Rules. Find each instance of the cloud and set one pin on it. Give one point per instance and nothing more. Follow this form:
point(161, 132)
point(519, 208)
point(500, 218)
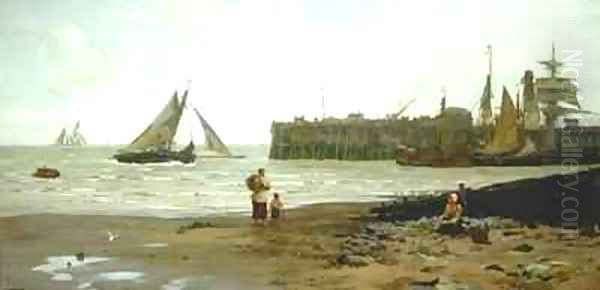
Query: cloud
point(72, 63)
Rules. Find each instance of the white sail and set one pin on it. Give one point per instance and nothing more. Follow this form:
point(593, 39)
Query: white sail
point(161, 131)
point(62, 138)
point(76, 137)
point(211, 139)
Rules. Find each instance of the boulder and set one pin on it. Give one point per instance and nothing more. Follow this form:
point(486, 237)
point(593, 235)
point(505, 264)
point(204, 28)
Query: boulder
point(524, 248)
point(450, 228)
point(538, 271)
point(353, 260)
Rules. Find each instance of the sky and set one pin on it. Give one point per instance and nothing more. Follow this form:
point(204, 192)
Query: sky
point(114, 64)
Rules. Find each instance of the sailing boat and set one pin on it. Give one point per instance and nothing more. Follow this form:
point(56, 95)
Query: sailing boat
point(508, 144)
point(154, 144)
point(73, 139)
point(212, 142)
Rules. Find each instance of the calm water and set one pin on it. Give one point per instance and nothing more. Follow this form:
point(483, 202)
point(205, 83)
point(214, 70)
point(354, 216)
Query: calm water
point(92, 183)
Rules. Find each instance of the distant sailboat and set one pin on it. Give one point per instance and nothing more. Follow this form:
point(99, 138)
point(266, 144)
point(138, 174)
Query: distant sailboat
point(154, 144)
point(73, 139)
point(212, 142)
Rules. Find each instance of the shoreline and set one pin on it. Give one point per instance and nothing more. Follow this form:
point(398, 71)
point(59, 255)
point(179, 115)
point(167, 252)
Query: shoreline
point(228, 252)
point(340, 246)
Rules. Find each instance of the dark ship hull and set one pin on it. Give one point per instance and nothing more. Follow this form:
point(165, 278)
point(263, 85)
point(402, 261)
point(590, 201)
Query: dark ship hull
point(158, 156)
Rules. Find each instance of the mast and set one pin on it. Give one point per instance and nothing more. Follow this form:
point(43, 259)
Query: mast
point(489, 47)
point(323, 103)
point(486, 118)
point(552, 65)
point(443, 102)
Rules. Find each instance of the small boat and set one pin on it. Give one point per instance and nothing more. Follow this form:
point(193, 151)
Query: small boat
point(45, 172)
point(154, 144)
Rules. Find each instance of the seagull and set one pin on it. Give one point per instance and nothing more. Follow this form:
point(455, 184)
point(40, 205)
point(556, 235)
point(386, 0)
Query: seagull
point(112, 237)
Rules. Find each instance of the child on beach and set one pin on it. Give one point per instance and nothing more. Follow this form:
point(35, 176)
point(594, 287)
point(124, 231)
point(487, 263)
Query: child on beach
point(454, 209)
point(277, 207)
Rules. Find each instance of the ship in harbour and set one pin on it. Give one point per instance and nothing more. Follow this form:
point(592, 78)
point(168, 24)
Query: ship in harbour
point(530, 134)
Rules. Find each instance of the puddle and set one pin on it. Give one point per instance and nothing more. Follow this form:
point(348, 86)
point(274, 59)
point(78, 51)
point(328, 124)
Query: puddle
point(56, 264)
point(196, 283)
point(155, 245)
point(120, 276)
point(62, 277)
point(112, 277)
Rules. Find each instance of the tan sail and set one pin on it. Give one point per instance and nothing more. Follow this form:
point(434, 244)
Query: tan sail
point(211, 139)
point(507, 134)
point(161, 131)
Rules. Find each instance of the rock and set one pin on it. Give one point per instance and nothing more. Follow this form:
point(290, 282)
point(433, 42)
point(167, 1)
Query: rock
point(538, 271)
point(353, 260)
point(493, 267)
point(425, 282)
point(543, 259)
point(510, 233)
point(397, 238)
point(362, 247)
point(479, 233)
point(535, 285)
point(525, 248)
point(458, 286)
point(450, 228)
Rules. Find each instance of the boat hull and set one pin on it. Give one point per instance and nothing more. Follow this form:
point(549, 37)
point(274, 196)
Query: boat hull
point(221, 157)
point(46, 173)
point(183, 156)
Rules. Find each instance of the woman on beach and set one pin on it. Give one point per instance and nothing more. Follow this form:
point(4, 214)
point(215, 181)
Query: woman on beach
point(259, 198)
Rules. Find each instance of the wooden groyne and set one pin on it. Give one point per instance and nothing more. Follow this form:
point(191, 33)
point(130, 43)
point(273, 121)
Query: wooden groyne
point(567, 200)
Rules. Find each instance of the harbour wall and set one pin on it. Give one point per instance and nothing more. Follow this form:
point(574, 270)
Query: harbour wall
point(356, 138)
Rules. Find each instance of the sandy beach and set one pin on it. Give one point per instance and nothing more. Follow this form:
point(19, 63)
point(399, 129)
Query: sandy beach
point(297, 253)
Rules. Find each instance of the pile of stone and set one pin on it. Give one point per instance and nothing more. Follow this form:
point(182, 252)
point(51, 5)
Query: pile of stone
point(540, 273)
point(367, 246)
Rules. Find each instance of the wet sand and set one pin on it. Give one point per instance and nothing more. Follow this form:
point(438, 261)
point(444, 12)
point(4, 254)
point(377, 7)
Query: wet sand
point(297, 253)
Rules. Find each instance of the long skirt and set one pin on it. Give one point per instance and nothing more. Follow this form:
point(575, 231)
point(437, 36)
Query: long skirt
point(259, 210)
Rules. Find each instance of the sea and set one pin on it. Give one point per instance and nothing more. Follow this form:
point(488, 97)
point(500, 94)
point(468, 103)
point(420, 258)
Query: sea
point(92, 183)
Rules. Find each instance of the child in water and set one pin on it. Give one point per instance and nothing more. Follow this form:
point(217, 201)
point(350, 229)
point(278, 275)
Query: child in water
point(276, 207)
